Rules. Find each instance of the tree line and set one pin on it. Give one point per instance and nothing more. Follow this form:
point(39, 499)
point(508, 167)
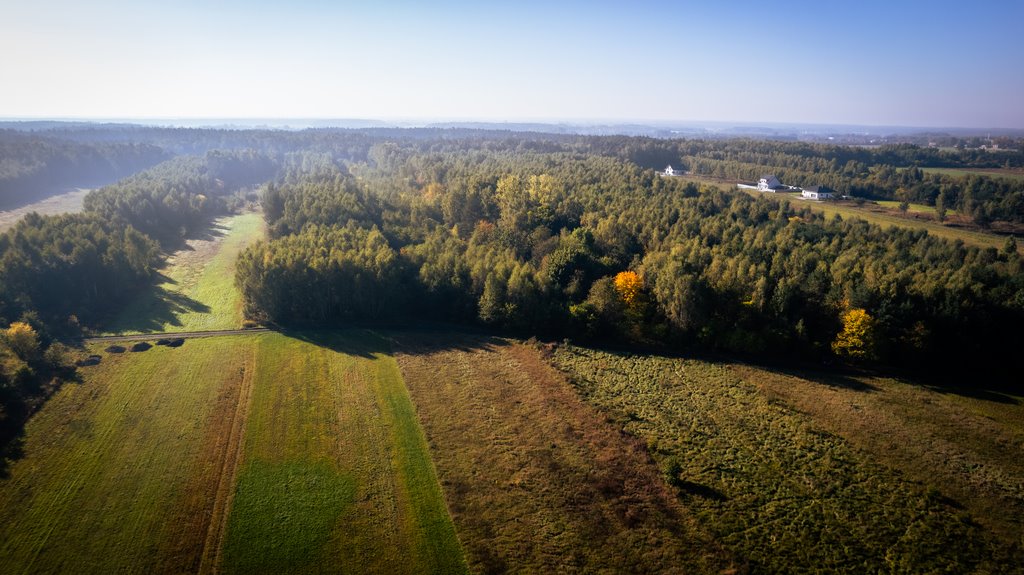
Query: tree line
point(32, 165)
point(586, 245)
point(59, 274)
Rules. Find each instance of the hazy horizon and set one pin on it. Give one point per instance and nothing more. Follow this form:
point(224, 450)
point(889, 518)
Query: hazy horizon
point(911, 64)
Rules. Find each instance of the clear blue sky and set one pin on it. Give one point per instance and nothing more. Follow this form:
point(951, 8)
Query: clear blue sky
point(910, 63)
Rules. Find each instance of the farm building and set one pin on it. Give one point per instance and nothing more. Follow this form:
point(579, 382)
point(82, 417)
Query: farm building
point(670, 171)
point(816, 193)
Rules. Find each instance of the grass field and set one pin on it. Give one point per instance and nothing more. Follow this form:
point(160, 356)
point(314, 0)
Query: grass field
point(120, 471)
point(912, 208)
point(780, 487)
point(335, 475)
point(254, 454)
point(197, 291)
point(967, 446)
point(885, 220)
point(67, 202)
point(537, 481)
point(990, 172)
point(969, 237)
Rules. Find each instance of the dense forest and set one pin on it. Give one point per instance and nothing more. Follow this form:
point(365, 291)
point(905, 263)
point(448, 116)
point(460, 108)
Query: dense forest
point(569, 244)
point(557, 235)
point(32, 166)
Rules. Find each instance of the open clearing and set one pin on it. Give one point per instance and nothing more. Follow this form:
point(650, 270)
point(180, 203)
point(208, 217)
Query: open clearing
point(774, 478)
point(888, 220)
point(63, 203)
point(198, 291)
point(1015, 174)
point(913, 208)
point(258, 453)
point(883, 217)
point(537, 481)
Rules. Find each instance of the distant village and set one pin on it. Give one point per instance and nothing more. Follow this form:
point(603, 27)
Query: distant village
point(770, 183)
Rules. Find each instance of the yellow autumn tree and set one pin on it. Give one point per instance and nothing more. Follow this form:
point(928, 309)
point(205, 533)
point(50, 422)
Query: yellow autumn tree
point(22, 340)
point(627, 285)
point(857, 338)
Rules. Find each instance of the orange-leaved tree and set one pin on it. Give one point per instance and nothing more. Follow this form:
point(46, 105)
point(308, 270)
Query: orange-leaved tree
point(628, 285)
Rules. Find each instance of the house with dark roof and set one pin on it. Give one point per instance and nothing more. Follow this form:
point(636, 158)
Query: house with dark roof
point(816, 193)
point(769, 183)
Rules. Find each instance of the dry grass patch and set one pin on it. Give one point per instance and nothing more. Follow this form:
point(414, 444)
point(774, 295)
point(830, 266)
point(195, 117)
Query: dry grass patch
point(535, 479)
point(967, 448)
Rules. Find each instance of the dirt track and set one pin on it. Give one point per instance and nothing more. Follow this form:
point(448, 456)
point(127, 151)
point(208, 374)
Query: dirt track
point(181, 334)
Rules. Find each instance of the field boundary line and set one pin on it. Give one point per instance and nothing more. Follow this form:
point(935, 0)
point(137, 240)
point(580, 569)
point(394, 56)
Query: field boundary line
point(218, 526)
point(173, 334)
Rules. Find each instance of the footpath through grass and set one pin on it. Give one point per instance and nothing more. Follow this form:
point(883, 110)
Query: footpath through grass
point(119, 471)
point(197, 291)
point(336, 476)
point(776, 488)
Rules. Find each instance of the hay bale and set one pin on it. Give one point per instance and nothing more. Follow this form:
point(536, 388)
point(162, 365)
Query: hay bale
point(141, 346)
point(115, 349)
point(176, 342)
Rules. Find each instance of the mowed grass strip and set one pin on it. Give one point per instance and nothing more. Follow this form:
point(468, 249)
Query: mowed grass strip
point(536, 480)
point(336, 475)
point(120, 470)
point(198, 290)
point(773, 485)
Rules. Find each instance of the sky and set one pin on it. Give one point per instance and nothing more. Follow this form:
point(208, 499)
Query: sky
point(893, 63)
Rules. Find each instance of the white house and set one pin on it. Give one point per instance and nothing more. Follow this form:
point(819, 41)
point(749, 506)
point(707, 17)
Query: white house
point(816, 193)
point(769, 183)
point(670, 171)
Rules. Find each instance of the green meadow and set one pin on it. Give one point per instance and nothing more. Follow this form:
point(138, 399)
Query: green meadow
point(196, 290)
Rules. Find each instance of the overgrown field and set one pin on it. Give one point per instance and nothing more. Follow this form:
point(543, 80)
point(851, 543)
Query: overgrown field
point(777, 487)
point(197, 291)
point(252, 454)
point(537, 481)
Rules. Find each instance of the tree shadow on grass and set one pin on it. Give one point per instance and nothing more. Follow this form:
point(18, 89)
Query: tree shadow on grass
point(369, 341)
point(834, 379)
point(12, 448)
point(982, 394)
point(155, 308)
point(19, 406)
point(213, 231)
